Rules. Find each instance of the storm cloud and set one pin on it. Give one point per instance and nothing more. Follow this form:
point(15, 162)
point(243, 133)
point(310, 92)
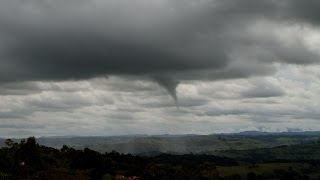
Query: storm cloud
point(210, 39)
point(50, 49)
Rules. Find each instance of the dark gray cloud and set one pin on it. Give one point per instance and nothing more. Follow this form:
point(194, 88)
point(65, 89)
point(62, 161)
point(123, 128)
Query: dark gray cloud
point(305, 10)
point(21, 126)
point(263, 89)
point(10, 115)
point(22, 88)
point(167, 41)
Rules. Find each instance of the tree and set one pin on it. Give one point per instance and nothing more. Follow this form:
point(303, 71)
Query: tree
point(28, 154)
point(251, 176)
point(11, 144)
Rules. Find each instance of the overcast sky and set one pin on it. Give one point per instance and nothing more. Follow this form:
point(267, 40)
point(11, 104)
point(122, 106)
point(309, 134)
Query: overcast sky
point(114, 67)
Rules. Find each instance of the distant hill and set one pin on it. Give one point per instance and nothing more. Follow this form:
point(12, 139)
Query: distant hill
point(259, 133)
point(181, 144)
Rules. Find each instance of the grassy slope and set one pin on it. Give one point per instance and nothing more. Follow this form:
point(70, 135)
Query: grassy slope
point(293, 152)
point(198, 144)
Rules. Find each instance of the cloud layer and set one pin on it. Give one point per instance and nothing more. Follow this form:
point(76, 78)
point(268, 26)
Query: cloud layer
point(119, 105)
point(49, 49)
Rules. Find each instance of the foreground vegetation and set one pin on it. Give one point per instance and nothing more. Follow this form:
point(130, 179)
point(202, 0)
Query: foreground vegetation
point(29, 160)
